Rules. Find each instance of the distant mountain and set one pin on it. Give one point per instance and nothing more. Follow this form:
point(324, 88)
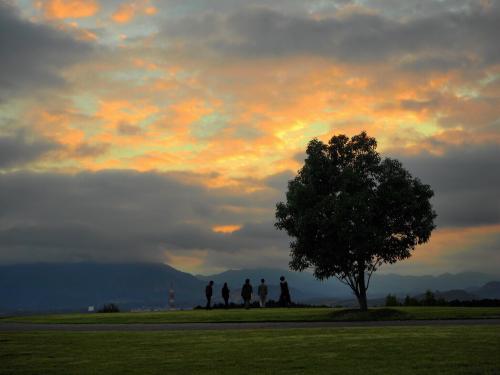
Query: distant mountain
point(489, 290)
point(74, 287)
point(57, 287)
point(450, 295)
point(398, 284)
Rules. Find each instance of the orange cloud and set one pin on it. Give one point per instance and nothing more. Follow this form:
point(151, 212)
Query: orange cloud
point(57, 126)
point(193, 262)
point(127, 11)
point(58, 9)
point(151, 10)
point(226, 228)
point(114, 111)
point(269, 110)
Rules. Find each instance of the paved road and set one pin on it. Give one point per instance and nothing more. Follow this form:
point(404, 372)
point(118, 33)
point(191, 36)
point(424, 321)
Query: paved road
point(28, 327)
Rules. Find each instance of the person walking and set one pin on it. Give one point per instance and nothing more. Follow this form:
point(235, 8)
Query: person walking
point(285, 293)
point(262, 292)
point(246, 293)
point(208, 294)
point(225, 295)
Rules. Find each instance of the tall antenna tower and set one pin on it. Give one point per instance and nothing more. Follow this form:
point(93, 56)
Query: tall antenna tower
point(171, 297)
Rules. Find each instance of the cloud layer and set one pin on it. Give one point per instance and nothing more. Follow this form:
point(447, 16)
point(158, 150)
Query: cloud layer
point(33, 54)
point(125, 215)
point(167, 130)
point(17, 150)
point(131, 216)
point(357, 36)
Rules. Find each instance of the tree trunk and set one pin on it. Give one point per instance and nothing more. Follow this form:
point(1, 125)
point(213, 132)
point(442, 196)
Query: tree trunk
point(361, 295)
point(363, 302)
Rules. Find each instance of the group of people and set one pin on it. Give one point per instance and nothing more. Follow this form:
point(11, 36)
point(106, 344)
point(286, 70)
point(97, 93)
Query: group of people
point(247, 293)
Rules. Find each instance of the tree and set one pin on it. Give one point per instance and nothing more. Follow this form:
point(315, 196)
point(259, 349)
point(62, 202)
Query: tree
point(429, 299)
point(391, 300)
point(409, 301)
point(348, 212)
point(109, 308)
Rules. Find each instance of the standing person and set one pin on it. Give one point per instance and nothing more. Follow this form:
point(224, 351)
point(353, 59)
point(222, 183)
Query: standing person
point(262, 291)
point(285, 293)
point(225, 295)
point(246, 293)
point(208, 294)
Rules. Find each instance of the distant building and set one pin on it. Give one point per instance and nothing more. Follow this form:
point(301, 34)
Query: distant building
point(91, 309)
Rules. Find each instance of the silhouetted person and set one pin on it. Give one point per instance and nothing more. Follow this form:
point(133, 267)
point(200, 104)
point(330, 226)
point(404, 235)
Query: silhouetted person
point(262, 292)
point(285, 292)
point(225, 295)
point(208, 294)
point(246, 293)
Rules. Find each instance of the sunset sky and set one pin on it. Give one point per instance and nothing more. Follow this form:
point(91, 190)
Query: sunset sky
point(167, 130)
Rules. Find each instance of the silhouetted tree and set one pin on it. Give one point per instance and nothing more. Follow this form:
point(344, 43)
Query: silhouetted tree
point(391, 300)
point(429, 299)
point(410, 301)
point(109, 308)
point(348, 212)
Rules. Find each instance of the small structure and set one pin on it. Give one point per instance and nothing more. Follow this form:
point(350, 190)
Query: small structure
point(91, 309)
point(171, 297)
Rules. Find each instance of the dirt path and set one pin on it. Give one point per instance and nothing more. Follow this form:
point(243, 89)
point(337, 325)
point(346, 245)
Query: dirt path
point(27, 327)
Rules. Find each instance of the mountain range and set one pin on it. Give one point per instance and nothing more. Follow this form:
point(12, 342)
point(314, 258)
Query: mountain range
point(75, 286)
point(44, 287)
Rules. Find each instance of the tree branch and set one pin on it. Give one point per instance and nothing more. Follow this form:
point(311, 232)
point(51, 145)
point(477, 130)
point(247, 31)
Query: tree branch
point(354, 283)
point(347, 281)
point(342, 280)
point(373, 268)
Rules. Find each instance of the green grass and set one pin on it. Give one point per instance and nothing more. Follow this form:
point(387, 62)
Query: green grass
point(387, 350)
point(268, 315)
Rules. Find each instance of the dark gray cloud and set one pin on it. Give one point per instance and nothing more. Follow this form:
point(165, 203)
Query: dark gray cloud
point(125, 128)
point(279, 181)
point(420, 8)
point(465, 181)
point(439, 39)
point(17, 150)
point(179, 9)
point(32, 55)
point(91, 150)
point(418, 105)
point(124, 215)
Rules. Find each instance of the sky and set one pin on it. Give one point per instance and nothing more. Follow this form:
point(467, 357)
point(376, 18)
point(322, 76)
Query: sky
point(166, 131)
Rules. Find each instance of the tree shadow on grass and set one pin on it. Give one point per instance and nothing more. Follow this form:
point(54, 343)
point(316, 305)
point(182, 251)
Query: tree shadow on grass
point(373, 314)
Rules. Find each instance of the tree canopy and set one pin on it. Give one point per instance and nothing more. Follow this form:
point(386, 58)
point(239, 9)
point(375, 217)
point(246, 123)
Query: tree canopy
point(349, 211)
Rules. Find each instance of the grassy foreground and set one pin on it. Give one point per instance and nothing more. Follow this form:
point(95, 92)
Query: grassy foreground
point(268, 315)
point(387, 350)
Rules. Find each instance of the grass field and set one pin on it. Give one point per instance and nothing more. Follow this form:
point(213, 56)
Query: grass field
point(387, 350)
point(268, 315)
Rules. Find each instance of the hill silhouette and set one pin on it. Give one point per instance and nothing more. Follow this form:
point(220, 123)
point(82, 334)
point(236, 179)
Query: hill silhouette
point(61, 286)
point(43, 287)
